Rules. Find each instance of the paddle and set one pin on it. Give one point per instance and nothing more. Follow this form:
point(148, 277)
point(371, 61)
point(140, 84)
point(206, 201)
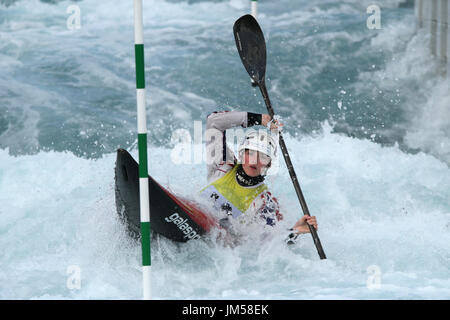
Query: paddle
point(252, 50)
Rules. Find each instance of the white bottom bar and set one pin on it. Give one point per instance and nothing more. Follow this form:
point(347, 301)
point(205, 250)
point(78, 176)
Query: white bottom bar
point(147, 286)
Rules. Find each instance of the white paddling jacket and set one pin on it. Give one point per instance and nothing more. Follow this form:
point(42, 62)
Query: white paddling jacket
point(248, 203)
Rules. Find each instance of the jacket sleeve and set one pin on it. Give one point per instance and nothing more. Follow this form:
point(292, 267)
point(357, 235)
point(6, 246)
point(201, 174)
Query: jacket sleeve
point(266, 208)
point(219, 157)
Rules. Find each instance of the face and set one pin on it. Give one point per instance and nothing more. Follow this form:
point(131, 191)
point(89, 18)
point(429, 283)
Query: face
point(254, 163)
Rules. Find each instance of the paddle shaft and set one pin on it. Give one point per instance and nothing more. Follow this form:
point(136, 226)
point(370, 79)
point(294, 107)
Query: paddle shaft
point(291, 170)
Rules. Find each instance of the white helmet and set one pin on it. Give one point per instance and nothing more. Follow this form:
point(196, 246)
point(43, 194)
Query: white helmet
point(260, 141)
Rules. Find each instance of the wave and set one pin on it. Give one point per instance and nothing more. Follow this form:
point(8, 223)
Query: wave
point(377, 207)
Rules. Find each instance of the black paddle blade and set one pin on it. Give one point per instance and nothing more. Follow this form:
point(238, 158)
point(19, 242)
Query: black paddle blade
point(251, 46)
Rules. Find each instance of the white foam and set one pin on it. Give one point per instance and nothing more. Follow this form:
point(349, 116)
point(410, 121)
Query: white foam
point(375, 206)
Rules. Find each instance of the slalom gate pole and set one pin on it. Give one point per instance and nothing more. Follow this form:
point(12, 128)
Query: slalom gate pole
point(142, 148)
point(254, 4)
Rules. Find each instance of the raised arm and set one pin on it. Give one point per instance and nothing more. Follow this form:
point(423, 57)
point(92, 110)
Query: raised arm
point(229, 119)
point(219, 157)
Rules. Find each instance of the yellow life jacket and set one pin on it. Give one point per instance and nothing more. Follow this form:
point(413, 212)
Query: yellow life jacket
point(227, 195)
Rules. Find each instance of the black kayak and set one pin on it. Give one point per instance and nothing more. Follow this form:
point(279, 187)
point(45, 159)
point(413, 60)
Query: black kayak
point(170, 216)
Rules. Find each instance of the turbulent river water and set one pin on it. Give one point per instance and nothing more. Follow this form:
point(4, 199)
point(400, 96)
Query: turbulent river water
point(366, 123)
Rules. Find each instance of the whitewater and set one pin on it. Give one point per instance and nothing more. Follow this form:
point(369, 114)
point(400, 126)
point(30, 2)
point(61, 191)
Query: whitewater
point(367, 128)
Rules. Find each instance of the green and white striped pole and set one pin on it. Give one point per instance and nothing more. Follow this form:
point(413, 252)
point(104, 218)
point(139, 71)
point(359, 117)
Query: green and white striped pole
point(142, 148)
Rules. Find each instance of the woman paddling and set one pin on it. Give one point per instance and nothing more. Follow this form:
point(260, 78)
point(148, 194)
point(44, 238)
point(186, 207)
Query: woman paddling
point(236, 185)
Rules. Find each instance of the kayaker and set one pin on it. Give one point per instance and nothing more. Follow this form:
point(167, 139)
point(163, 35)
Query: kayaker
point(236, 185)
